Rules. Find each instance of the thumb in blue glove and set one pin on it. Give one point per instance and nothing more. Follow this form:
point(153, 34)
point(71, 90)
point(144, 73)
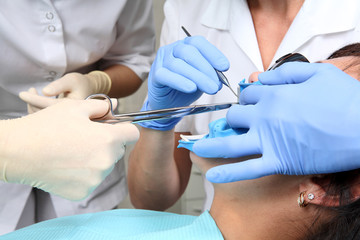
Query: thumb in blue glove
point(308, 125)
point(181, 72)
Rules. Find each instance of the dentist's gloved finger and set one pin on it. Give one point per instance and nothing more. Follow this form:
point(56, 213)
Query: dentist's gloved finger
point(59, 86)
point(114, 103)
point(291, 73)
point(250, 169)
point(129, 132)
point(36, 100)
point(227, 147)
point(30, 108)
point(193, 57)
point(216, 58)
point(241, 116)
point(183, 77)
point(165, 77)
point(252, 94)
point(33, 91)
point(93, 108)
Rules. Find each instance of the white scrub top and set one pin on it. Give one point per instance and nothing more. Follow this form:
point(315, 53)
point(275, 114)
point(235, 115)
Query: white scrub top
point(41, 41)
point(321, 27)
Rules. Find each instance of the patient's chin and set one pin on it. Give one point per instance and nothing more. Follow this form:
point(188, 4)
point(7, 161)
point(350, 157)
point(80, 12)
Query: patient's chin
point(205, 164)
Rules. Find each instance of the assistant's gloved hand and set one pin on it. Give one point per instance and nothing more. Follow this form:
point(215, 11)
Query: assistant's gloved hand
point(71, 85)
point(60, 150)
point(310, 125)
point(181, 72)
point(37, 101)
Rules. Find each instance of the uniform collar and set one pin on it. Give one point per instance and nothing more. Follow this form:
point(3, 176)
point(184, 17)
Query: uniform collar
point(217, 14)
point(330, 16)
point(325, 15)
point(319, 17)
point(315, 18)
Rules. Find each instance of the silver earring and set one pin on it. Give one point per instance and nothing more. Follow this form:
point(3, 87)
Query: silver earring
point(311, 196)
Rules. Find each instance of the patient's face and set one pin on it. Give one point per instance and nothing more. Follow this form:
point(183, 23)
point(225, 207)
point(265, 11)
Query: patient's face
point(250, 190)
point(350, 65)
point(204, 164)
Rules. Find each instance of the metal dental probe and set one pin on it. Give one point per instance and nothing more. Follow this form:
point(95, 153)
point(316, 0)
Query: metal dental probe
point(221, 75)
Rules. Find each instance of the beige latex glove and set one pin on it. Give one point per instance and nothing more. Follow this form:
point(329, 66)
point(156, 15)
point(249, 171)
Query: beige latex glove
point(60, 150)
point(71, 85)
point(37, 102)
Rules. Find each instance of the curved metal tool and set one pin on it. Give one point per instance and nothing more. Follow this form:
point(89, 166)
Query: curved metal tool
point(144, 116)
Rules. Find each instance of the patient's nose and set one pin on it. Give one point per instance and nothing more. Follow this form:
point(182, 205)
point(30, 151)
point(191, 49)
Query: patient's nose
point(254, 77)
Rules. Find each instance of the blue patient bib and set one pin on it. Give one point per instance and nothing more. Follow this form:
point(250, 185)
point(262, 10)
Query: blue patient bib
point(118, 224)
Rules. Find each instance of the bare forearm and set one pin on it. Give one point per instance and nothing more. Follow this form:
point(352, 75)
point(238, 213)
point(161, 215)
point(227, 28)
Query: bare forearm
point(124, 81)
point(153, 176)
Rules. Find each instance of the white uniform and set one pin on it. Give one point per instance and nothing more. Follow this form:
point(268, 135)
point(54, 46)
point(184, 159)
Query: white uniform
point(41, 41)
point(321, 27)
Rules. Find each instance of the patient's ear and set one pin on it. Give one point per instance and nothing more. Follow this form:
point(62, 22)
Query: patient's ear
point(317, 191)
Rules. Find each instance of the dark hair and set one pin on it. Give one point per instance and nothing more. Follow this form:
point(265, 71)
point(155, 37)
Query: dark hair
point(345, 221)
point(351, 50)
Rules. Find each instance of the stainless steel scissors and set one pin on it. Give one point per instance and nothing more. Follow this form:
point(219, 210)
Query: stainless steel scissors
point(144, 116)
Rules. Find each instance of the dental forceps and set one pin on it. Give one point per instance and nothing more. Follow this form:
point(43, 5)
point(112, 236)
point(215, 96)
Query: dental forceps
point(145, 116)
point(220, 74)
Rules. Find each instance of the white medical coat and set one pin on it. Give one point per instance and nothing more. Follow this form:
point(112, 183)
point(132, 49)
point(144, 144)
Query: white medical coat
point(321, 27)
point(41, 41)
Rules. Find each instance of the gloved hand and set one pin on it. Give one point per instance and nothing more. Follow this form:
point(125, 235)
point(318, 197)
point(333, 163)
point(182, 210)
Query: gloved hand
point(71, 85)
point(181, 72)
point(37, 102)
point(310, 125)
point(60, 150)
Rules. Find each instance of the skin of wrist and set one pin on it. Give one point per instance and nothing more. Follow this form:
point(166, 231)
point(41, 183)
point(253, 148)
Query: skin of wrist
point(160, 140)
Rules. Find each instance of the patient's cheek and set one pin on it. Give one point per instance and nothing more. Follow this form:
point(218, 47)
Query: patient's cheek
point(254, 77)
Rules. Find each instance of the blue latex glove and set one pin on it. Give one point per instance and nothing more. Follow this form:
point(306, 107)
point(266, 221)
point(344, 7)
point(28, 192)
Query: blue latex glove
point(310, 125)
point(181, 72)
